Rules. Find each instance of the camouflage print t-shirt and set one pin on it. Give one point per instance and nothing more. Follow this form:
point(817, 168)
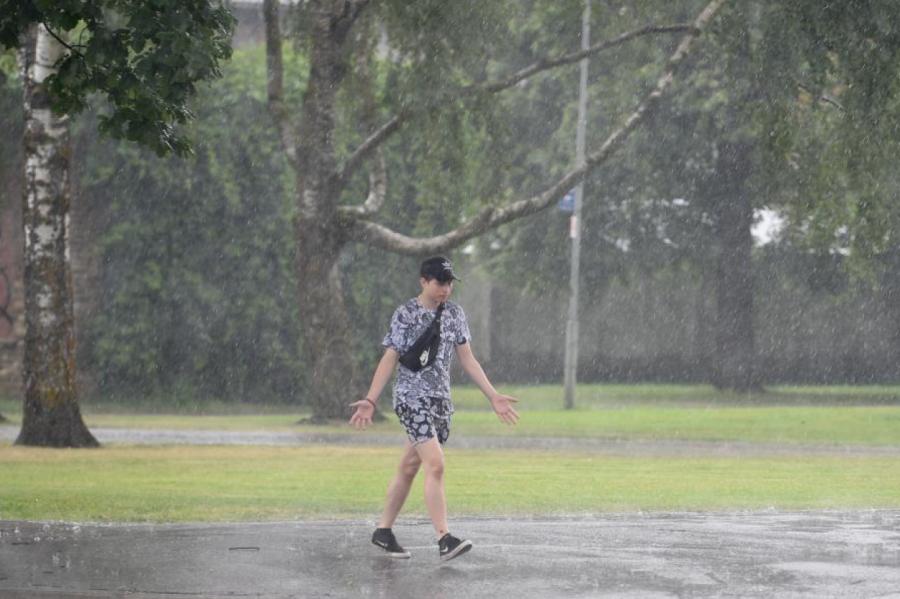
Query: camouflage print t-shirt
point(409, 321)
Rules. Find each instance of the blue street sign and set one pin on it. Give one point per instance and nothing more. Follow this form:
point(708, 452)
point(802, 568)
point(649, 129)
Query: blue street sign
point(567, 203)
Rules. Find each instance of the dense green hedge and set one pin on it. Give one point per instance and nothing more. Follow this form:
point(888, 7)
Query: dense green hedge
point(197, 289)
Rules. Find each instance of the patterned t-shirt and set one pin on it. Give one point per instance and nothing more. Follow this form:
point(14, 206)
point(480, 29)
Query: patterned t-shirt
point(409, 321)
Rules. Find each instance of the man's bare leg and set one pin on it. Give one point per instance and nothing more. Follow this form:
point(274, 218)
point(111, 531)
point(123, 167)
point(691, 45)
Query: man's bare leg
point(431, 456)
point(399, 488)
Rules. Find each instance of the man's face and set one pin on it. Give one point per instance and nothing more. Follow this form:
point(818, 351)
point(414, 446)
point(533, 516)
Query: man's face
point(436, 290)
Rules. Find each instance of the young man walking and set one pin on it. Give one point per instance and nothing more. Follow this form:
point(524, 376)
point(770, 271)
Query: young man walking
point(422, 399)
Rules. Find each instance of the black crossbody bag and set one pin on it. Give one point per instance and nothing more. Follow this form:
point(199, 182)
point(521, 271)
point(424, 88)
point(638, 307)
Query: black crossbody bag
point(424, 351)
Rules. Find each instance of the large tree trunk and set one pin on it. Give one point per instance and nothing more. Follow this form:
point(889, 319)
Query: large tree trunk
point(326, 324)
point(890, 292)
point(51, 414)
point(319, 236)
point(735, 355)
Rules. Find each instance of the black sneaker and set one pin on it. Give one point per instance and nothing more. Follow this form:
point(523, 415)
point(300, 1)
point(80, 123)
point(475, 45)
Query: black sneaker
point(384, 538)
point(450, 547)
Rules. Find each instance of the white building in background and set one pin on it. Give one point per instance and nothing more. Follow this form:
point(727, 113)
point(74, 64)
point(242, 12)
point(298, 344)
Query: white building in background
point(767, 226)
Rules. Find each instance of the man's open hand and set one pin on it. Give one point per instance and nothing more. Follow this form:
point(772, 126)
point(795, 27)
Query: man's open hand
point(503, 407)
point(362, 416)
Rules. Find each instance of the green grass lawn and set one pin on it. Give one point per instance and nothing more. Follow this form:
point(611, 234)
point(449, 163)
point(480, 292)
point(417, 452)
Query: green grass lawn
point(829, 415)
point(620, 396)
point(828, 425)
point(182, 483)
point(185, 484)
point(865, 425)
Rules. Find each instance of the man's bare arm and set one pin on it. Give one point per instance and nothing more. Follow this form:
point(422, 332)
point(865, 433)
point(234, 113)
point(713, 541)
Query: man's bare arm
point(383, 373)
point(365, 408)
point(502, 404)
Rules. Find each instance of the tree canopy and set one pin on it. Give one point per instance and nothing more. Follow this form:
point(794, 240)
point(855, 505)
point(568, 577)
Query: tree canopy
point(144, 58)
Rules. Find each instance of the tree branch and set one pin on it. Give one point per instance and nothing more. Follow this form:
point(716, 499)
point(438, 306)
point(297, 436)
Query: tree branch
point(394, 124)
point(822, 97)
point(550, 63)
point(356, 8)
point(275, 81)
point(369, 145)
point(380, 236)
point(63, 42)
point(350, 11)
point(377, 190)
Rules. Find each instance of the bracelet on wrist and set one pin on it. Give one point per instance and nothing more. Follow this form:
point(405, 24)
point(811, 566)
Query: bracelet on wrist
point(370, 401)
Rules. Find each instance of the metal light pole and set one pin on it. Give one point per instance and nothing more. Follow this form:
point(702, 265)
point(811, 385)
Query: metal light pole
point(571, 356)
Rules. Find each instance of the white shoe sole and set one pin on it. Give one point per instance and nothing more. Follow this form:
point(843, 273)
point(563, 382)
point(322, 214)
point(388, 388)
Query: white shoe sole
point(404, 555)
point(462, 548)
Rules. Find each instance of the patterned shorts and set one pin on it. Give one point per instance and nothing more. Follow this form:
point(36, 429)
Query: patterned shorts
point(425, 419)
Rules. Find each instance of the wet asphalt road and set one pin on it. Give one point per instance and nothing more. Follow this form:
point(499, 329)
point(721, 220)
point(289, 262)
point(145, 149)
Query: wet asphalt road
point(747, 554)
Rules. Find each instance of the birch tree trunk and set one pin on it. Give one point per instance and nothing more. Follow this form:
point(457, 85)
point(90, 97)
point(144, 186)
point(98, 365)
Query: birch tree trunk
point(51, 415)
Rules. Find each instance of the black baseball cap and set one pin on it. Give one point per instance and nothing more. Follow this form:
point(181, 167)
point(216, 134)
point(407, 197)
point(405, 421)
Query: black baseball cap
point(438, 267)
